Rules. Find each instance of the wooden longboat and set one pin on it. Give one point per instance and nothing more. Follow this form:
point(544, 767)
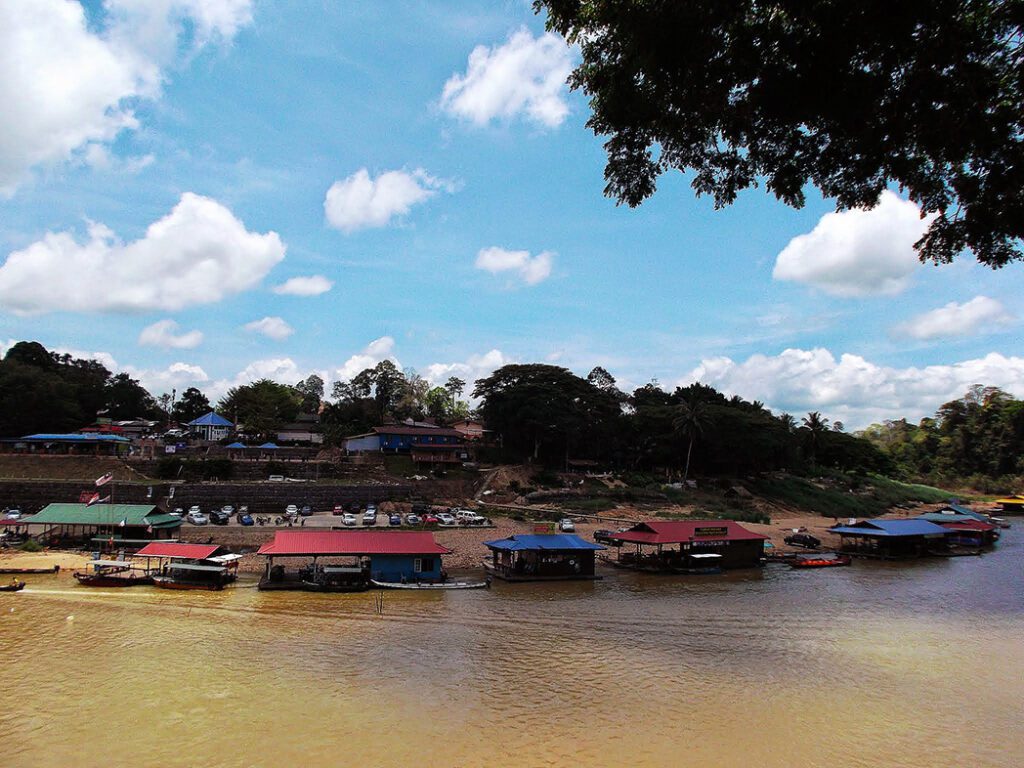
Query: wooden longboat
point(19, 571)
point(820, 561)
point(430, 585)
point(15, 587)
point(112, 573)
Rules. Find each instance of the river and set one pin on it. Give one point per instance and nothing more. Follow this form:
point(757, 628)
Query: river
point(877, 665)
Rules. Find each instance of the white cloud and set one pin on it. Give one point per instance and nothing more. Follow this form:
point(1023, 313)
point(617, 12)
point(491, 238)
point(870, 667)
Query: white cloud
point(375, 352)
point(530, 269)
point(179, 376)
point(272, 327)
point(475, 367)
point(360, 202)
point(104, 358)
point(162, 334)
point(313, 285)
point(67, 88)
point(978, 316)
point(855, 252)
point(283, 370)
point(525, 76)
point(852, 389)
point(197, 254)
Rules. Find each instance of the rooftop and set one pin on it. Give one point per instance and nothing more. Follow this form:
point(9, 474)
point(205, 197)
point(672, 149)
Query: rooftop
point(890, 528)
point(348, 543)
point(103, 514)
point(212, 419)
point(680, 531)
point(542, 541)
point(178, 550)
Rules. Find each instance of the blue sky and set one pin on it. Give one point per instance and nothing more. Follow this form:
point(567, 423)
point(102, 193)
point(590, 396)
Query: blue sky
point(168, 164)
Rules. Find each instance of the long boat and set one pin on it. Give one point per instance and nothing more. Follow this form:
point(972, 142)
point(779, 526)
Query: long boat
point(112, 573)
point(430, 585)
point(17, 586)
point(820, 561)
point(10, 571)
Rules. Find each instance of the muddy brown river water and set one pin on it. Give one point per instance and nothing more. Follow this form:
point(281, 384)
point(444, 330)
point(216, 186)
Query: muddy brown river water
point(881, 665)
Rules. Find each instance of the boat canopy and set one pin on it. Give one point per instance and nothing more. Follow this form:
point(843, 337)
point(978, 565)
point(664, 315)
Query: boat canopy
point(706, 556)
point(225, 559)
point(196, 567)
point(121, 563)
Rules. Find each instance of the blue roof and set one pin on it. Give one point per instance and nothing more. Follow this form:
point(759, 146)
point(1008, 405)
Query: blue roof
point(269, 445)
point(962, 511)
point(236, 445)
point(891, 528)
point(77, 437)
point(549, 541)
point(210, 420)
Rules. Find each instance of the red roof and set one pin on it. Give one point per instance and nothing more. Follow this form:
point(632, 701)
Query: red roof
point(173, 549)
point(353, 543)
point(689, 531)
point(431, 431)
point(969, 525)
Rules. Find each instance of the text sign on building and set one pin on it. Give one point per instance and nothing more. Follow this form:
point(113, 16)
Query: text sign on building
point(544, 528)
point(717, 531)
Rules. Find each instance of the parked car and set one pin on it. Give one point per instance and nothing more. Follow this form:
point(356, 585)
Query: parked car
point(464, 514)
point(220, 517)
point(194, 508)
point(291, 510)
point(354, 507)
point(245, 519)
point(419, 508)
point(412, 519)
point(473, 519)
point(228, 510)
point(349, 519)
point(371, 507)
point(430, 520)
point(369, 518)
point(603, 536)
point(803, 540)
point(177, 512)
point(197, 518)
point(338, 509)
point(446, 518)
point(12, 514)
point(306, 511)
point(565, 525)
point(394, 519)
point(276, 479)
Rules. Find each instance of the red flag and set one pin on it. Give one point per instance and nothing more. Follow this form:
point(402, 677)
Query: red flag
point(90, 498)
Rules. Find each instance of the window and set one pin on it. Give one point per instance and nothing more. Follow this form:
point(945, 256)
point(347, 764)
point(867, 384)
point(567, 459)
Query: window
point(423, 564)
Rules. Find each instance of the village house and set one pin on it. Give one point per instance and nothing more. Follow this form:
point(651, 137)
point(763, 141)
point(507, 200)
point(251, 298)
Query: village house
point(211, 426)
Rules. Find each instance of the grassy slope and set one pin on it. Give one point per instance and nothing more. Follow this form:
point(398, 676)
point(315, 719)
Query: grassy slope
point(842, 496)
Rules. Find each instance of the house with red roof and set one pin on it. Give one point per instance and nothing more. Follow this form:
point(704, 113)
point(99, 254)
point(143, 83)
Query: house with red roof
point(688, 546)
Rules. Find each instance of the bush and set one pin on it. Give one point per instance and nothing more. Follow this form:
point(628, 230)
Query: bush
point(546, 479)
point(31, 546)
point(168, 468)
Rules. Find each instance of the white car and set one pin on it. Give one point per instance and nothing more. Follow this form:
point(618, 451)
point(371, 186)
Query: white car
point(291, 510)
point(197, 518)
point(12, 514)
point(465, 514)
point(565, 525)
point(446, 518)
point(348, 519)
point(177, 512)
point(370, 517)
point(228, 510)
point(194, 509)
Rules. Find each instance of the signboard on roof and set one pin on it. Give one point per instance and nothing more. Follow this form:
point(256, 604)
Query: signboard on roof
point(717, 531)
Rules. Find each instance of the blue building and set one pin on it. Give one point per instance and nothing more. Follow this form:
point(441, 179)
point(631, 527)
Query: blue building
point(542, 557)
point(212, 426)
point(891, 539)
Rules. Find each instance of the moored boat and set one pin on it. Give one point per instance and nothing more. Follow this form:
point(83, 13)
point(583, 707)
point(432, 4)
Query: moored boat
point(820, 561)
point(15, 586)
point(112, 573)
point(429, 585)
point(18, 571)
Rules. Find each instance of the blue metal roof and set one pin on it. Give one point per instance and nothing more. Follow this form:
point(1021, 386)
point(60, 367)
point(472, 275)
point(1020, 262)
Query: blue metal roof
point(236, 445)
point(962, 511)
point(891, 528)
point(549, 541)
point(80, 438)
point(269, 445)
point(212, 419)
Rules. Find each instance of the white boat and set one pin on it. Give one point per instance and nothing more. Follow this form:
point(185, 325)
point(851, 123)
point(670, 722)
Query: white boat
point(430, 585)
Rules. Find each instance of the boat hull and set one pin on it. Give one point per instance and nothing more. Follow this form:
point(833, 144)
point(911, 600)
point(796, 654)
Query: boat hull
point(162, 582)
point(17, 587)
point(17, 571)
point(91, 580)
point(426, 585)
point(822, 562)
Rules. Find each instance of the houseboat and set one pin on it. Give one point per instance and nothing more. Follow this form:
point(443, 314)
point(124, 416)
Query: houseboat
point(542, 557)
point(112, 573)
point(684, 546)
point(892, 539)
point(189, 566)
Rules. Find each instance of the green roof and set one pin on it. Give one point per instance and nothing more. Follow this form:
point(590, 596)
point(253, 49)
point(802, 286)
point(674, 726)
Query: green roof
point(100, 514)
point(163, 521)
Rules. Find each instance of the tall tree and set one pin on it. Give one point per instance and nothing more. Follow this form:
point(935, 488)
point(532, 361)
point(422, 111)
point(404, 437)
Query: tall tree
point(454, 387)
point(692, 418)
point(261, 408)
point(781, 92)
point(191, 405)
point(312, 391)
point(815, 426)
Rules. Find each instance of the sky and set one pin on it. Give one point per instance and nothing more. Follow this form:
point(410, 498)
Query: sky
point(209, 192)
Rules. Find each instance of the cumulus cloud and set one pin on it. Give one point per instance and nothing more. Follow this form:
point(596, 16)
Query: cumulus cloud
point(197, 254)
point(179, 376)
point(272, 327)
point(374, 352)
point(361, 202)
point(313, 285)
point(855, 252)
point(524, 76)
point(162, 334)
point(103, 358)
point(976, 317)
point(530, 269)
point(66, 87)
point(475, 367)
point(283, 370)
point(853, 389)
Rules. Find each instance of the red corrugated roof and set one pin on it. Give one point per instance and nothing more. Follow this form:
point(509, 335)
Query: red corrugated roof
point(679, 531)
point(432, 431)
point(353, 543)
point(969, 525)
point(173, 549)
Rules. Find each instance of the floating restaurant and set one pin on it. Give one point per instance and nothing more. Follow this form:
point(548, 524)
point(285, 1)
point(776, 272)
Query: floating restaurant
point(542, 557)
point(104, 526)
point(189, 566)
point(965, 531)
point(891, 539)
point(688, 546)
point(354, 559)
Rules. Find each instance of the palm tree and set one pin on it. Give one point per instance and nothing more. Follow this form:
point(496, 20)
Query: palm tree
point(816, 425)
point(692, 417)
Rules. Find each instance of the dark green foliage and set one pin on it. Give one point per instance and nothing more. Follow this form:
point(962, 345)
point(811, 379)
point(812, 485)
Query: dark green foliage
point(831, 494)
point(190, 406)
point(30, 546)
point(545, 479)
point(261, 408)
point(126, 399)
point(168, 468)
point(176, 468)
point(977, 437)
point(851, 98)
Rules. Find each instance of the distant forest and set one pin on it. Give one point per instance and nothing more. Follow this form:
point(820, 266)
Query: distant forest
point(550, 416)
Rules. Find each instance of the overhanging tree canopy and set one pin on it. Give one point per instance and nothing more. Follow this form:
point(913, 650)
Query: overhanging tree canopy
point(849, 97)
